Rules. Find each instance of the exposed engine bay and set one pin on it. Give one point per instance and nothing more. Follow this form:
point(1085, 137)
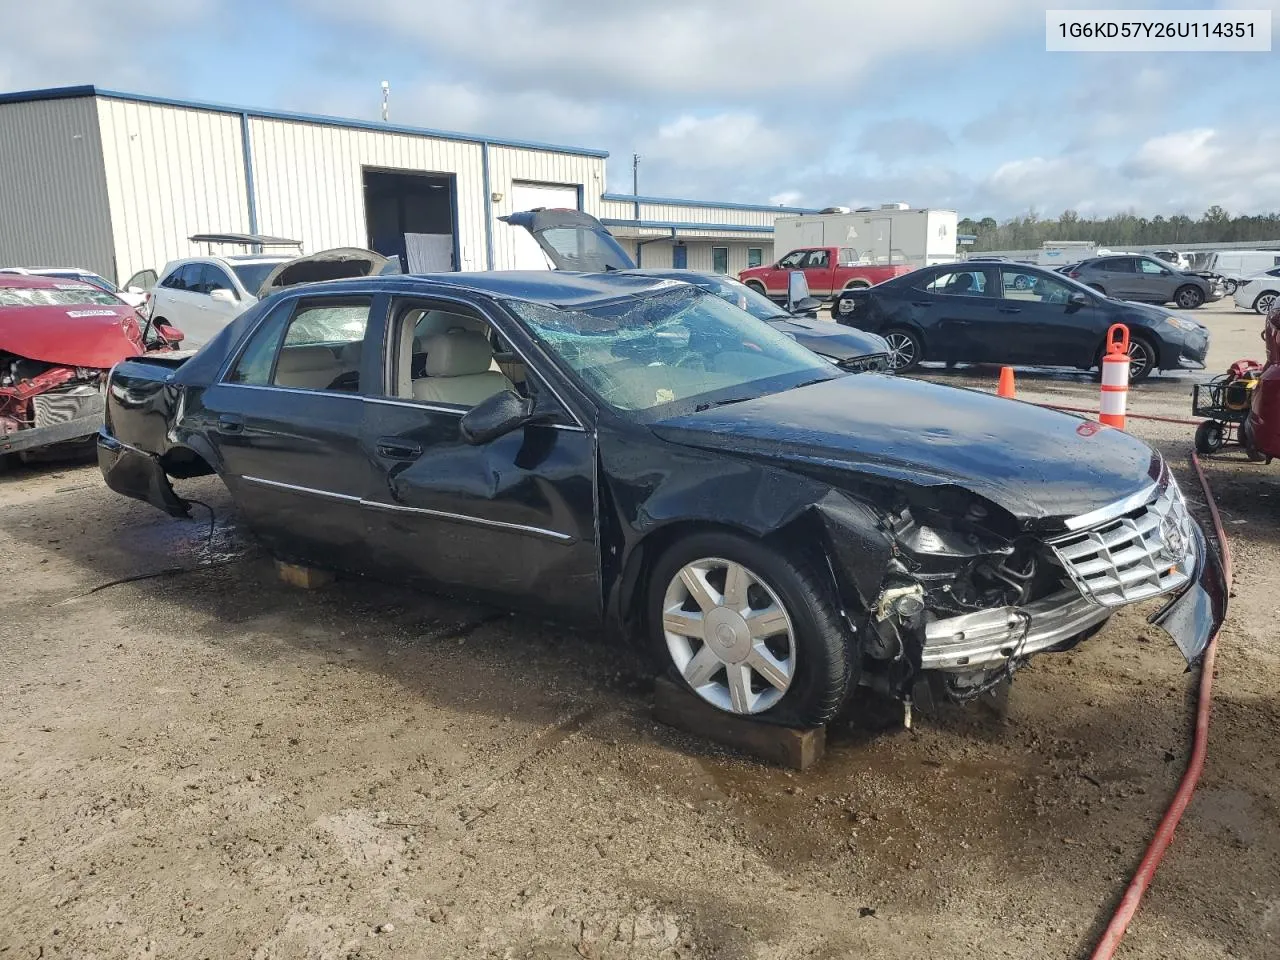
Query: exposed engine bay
point(34, 394)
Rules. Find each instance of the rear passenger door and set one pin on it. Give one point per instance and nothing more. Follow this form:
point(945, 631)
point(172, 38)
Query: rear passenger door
point(959, 310)
point(1117, 276)
point(286, 420)
point(511, 520)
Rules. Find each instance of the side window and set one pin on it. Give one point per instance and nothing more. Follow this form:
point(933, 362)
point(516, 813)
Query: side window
point(818, 258)
point(1037, 289)
point(848, 255)
point(964, 283)
point(1117, 265)
point(175, 280)
point(215, 278)
point(755, 257)
point(793, 258)
point(193, 278)
point(1151, 267)
point(259, 355)
point(442, 355)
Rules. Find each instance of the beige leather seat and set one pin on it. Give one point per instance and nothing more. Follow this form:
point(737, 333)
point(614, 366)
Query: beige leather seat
point(458, 370)
point(312, 368)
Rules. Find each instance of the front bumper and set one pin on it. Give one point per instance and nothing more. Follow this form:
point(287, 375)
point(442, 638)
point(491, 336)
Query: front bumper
point(32, 437)
point(138, 474)
point(989, 639)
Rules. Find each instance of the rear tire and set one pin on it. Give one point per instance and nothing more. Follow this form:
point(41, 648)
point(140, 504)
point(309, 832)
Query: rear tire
point(757, 286)
point(1188, 296)
point(1210, 437)
point(1265, 301)
point(1229, 287)
point(1098, 287)
point(905, 349)
point(806, 661)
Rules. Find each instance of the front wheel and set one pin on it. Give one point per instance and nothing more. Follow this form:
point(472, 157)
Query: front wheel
point(905, 349)
point(750, 630)
point(1188, 297)
point(1142, 359)
point(1210, 437)
point(1230, 287)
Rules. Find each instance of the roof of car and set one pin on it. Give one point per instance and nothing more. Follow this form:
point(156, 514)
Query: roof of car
point(560, 288)
point(38, 281)
point(230, 261)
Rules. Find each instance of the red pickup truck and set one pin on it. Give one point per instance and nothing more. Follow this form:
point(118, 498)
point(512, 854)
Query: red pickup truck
point(829, 270)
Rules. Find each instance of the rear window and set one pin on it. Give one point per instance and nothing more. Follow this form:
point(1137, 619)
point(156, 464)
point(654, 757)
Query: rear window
point(63, 294)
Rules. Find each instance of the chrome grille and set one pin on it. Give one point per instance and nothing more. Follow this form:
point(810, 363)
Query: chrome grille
point(1147, 551)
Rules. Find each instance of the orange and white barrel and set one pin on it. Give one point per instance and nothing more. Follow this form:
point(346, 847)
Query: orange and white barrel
point(1115, 377)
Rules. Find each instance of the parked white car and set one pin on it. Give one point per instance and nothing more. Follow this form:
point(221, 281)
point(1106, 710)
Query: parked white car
point(201, 295)
point(1259, 292)
point(132, 293)
point(1236, 267)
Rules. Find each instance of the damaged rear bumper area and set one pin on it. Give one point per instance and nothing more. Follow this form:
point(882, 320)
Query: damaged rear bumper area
point(138, 474)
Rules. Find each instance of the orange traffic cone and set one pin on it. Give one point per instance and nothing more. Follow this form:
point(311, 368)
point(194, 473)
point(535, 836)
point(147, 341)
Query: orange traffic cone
point(1006, 388)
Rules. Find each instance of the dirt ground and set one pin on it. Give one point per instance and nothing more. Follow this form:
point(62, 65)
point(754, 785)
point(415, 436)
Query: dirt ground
point(205, 762)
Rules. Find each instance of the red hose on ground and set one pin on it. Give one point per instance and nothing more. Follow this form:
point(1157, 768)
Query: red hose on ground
point(1115, 931)
point(1132, 416)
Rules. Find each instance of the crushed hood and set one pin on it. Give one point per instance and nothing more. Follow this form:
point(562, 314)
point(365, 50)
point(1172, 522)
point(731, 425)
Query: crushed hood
point(573, 240)
point(1040, 465)
point(340, 263)
point(72, 335)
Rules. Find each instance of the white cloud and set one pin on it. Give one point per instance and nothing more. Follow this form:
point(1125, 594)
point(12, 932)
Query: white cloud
point(787, 198)
point(722, 141)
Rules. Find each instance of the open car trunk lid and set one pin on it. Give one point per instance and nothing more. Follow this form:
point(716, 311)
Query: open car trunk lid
point(340, 263)
point(573, 240)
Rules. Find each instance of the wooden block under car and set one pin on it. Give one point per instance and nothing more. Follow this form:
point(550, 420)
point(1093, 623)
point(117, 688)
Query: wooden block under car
point(678, 707)
point(308, 578)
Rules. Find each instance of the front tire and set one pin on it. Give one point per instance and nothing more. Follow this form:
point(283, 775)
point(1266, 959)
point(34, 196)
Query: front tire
point(757, 286)
point(1188, 297)
point(1230, 287)
point(750, 630)
point(905, 349)
point(1142, 359)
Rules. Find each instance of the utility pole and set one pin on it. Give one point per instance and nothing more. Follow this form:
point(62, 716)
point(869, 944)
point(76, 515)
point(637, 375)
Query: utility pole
point(386, 94)
point(635, 174)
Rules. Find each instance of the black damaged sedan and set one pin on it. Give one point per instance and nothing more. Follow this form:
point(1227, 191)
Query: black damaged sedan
point(1012, 313)
point(615, 449)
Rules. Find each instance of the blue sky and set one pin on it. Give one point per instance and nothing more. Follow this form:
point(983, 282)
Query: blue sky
point(934, 102)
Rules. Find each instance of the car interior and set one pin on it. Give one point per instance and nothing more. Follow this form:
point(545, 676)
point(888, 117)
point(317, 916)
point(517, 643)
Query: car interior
point(452, 358)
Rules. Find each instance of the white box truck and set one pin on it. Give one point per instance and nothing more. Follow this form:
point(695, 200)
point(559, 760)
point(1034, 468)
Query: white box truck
point(892, 234)
point(1059, 253)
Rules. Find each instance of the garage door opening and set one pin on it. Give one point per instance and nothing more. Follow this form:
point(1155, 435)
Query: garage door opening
point(527, 196)
point(413, 216)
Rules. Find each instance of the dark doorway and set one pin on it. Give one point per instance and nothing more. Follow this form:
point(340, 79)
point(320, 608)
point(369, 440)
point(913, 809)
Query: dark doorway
point(413, 216)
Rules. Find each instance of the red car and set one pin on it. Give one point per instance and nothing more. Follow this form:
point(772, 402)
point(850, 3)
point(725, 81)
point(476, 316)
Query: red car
point(828, 270)
point(58, 340)
point(1262, 429)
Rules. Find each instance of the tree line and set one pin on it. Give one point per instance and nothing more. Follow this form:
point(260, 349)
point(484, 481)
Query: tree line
point(1029, 231)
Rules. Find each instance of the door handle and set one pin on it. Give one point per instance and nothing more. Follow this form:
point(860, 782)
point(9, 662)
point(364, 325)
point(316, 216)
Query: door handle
point(1010, 309)
point(922, 303)
point(389, 448)
point(230, 423)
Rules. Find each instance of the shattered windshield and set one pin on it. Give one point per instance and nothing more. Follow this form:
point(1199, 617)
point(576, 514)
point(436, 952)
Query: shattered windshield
point(673, 351)
point(68, 294)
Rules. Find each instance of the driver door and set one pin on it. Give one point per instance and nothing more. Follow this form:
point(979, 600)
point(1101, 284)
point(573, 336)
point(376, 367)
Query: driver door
point(963, 312)
point(512, 520)
point(1044, 327)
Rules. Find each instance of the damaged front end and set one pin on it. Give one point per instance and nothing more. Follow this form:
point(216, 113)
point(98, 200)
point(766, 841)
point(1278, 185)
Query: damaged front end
point(43, 404)
point(969, 595)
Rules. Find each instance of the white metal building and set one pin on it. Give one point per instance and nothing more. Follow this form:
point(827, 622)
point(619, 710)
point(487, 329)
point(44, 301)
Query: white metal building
point(117, 182)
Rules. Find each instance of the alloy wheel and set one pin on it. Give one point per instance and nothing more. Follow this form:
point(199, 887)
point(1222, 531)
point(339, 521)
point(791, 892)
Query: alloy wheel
point(1265, 302)
point(1189, 298)
point(902, 350)
point(729, 635)
point(1139, 359)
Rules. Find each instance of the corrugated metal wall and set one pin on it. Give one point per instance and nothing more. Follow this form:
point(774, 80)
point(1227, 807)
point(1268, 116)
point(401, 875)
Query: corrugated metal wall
point(508, 164)
point(700, 257)
point(53, 196)
point(171, 172)
point(310, 181)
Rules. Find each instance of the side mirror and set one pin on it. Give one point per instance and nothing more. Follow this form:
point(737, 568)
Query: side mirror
point(222, 295)
point(170, 334)
point(1078, 299)
point(808, 307)
point(495, 416)
point(797, 290)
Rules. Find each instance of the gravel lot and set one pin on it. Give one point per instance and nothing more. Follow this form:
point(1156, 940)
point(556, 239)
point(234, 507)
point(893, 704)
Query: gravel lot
point(208, 763)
